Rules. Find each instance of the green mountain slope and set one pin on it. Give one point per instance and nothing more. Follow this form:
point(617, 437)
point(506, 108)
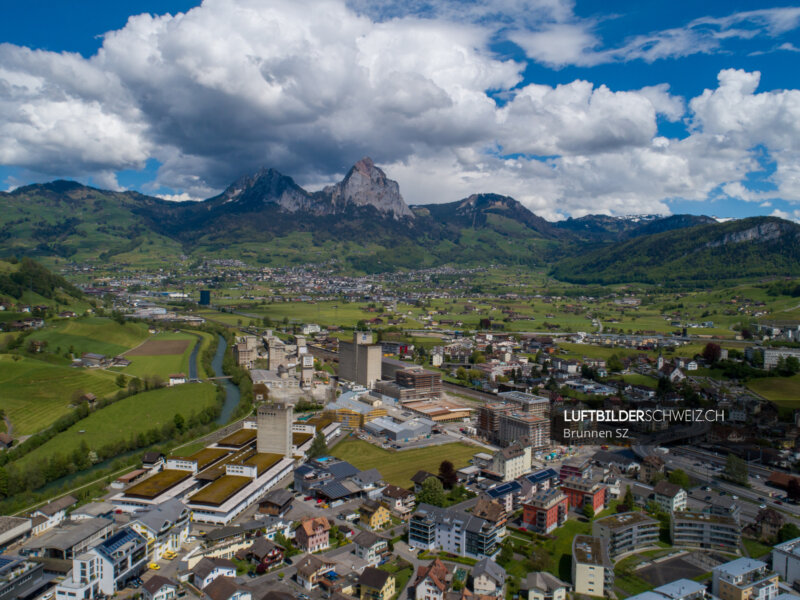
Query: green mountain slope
point(748, 248)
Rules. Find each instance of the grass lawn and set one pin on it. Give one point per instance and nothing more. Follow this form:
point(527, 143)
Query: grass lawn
point(163, 364)
point(92, 334)
point(755, 548)
point(783, 391)
point(126, 418)
point(637, 379)
point(35, 394)
point(398, 467)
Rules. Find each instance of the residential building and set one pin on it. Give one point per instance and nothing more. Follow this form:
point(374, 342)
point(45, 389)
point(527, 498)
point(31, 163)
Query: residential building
point(546, 511)
point(360, 360)
point(516, 426)
point(513, 461)
point(592, 569)
point(704, 530)
point(21, 578)
point(488, 578)
point(311, 569)
point(575, 467)
point(263, 552)
point(51, 514)
point(626, 532)
point(411, 384)
point(669, 496)
point(432, 581)
point(724, 506)
point(453, 531)
point(313, 534)
point(105, 568)
point(276, 503)
point(208, 569)
point(581, 491)
point(226, 588)
point(375, 584)
point(159, 588)
point(164, 526)
point(768, 523)
point(370, 547)
point(541, 585)
point(680, 589)
point(538, 406)
point(374, 515)
point(744, 579)
point(419, 478)
point(399, 501)
point(651, 465)
point(786, 560)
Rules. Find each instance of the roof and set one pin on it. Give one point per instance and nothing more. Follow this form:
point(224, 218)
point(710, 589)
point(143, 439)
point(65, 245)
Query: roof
point(262, 547)
point(437, 572)
point(542, 475)
point(488, 509)
point(740, 566)
point(367, 539)
point(591, 550)
point(222, 588)
point(665, 488)
point(420, 477)
point(151, 457)
point(369, 476)
point(374, 578)
point(57, 505)
point(9, 523)
point(338, 489)
point(310, 564)
point(341, 470)
point(69, 535)
point(309, 525)
point(504, 489)
point(206, 565)
point(393, 491)
point(162, 515)
point(627, 519)
point(543, 581)
point(278, 497)
point(491, 569)
point(156, 582)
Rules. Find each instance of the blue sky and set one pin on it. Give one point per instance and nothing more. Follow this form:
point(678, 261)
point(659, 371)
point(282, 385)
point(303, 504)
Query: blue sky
point(571, 107)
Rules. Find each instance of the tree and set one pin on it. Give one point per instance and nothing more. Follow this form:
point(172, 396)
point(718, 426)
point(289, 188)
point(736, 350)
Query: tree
point(793, 489)
point(432, 492)
point(627, 499)
point(736, 469)
point(447, 474)
point(461, 373)
point(318, 447)
point(180, 423)
point(614, 363)
point(477, 357)
point(588, 511)
point(788, 532)
point(712, 353)
point(679, 477)
point(121, 381)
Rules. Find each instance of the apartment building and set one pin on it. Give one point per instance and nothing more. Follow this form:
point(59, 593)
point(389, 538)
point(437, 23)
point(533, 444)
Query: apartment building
point(454, 531)
point(744, 579)
point(626, 532)
point(669, 496)
point(705, 530)
point(581, 492)
point(592, 569)
point(545, 511)
point(786, 560)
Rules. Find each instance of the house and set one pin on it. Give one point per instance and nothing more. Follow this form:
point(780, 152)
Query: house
point(226, 588)
point(310, 569)
point(768, 523)
point(313, 534)
point(159, 588)
point(263, 552)
point(153, 460)
point(493, 512)
point(51, 514)
point(177, 379)
point(374, 514)
point(419, 478)
point(543, 586)
point(669, 496)
point(370, 547)
point(165, 526)
point(276, 503)
point(375, 584)
point(399, 501)
point(208, 569)
point(650, 466)
point(488, 578)
point(432, 582)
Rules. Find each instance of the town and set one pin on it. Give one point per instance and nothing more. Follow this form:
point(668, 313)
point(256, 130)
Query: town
point(382, 437)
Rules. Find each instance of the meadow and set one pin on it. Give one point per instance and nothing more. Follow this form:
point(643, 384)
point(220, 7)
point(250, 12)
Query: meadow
point(162, 365)
point(34, 394)
point(128, 417)
point(398, 467)
point(783, 391)
point(93, 334)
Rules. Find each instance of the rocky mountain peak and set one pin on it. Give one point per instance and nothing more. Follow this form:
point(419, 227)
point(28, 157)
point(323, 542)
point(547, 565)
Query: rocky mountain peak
point(367, 185)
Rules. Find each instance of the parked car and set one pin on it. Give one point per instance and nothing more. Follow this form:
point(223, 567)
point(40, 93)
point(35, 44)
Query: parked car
point(154, 566)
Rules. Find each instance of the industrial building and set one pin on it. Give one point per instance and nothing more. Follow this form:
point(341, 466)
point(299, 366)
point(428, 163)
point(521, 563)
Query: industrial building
point(399, 431)
point(360, 360)
point(354, 409)
point(414, 383)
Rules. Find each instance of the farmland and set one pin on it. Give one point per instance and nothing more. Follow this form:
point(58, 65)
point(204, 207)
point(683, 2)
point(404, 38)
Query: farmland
point(128, 417)
point(93, 334)
point(398, 467)
point(161, 355)
point(34, 394)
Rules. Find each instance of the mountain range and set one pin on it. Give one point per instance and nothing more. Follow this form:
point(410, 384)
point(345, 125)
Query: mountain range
point(363, 224)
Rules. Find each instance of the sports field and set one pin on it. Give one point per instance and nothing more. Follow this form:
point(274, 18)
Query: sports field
point(398, 467)
point(127, 418)
point(35, 394)
point(92, 334)
point(162, 355)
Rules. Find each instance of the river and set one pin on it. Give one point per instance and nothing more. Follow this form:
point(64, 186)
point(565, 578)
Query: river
point(231, 391)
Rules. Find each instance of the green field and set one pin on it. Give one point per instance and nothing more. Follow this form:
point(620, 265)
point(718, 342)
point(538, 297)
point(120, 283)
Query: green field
point(35, 394)
point(128, 417)
point(93, 334)
point(162, 365)
point(398, 467)
point(783, 391)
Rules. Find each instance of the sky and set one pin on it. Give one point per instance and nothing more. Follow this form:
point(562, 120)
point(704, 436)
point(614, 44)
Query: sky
point(571, 107)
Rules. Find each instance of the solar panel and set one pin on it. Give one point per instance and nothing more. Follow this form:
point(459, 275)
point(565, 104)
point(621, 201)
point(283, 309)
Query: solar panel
point(5, 561)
